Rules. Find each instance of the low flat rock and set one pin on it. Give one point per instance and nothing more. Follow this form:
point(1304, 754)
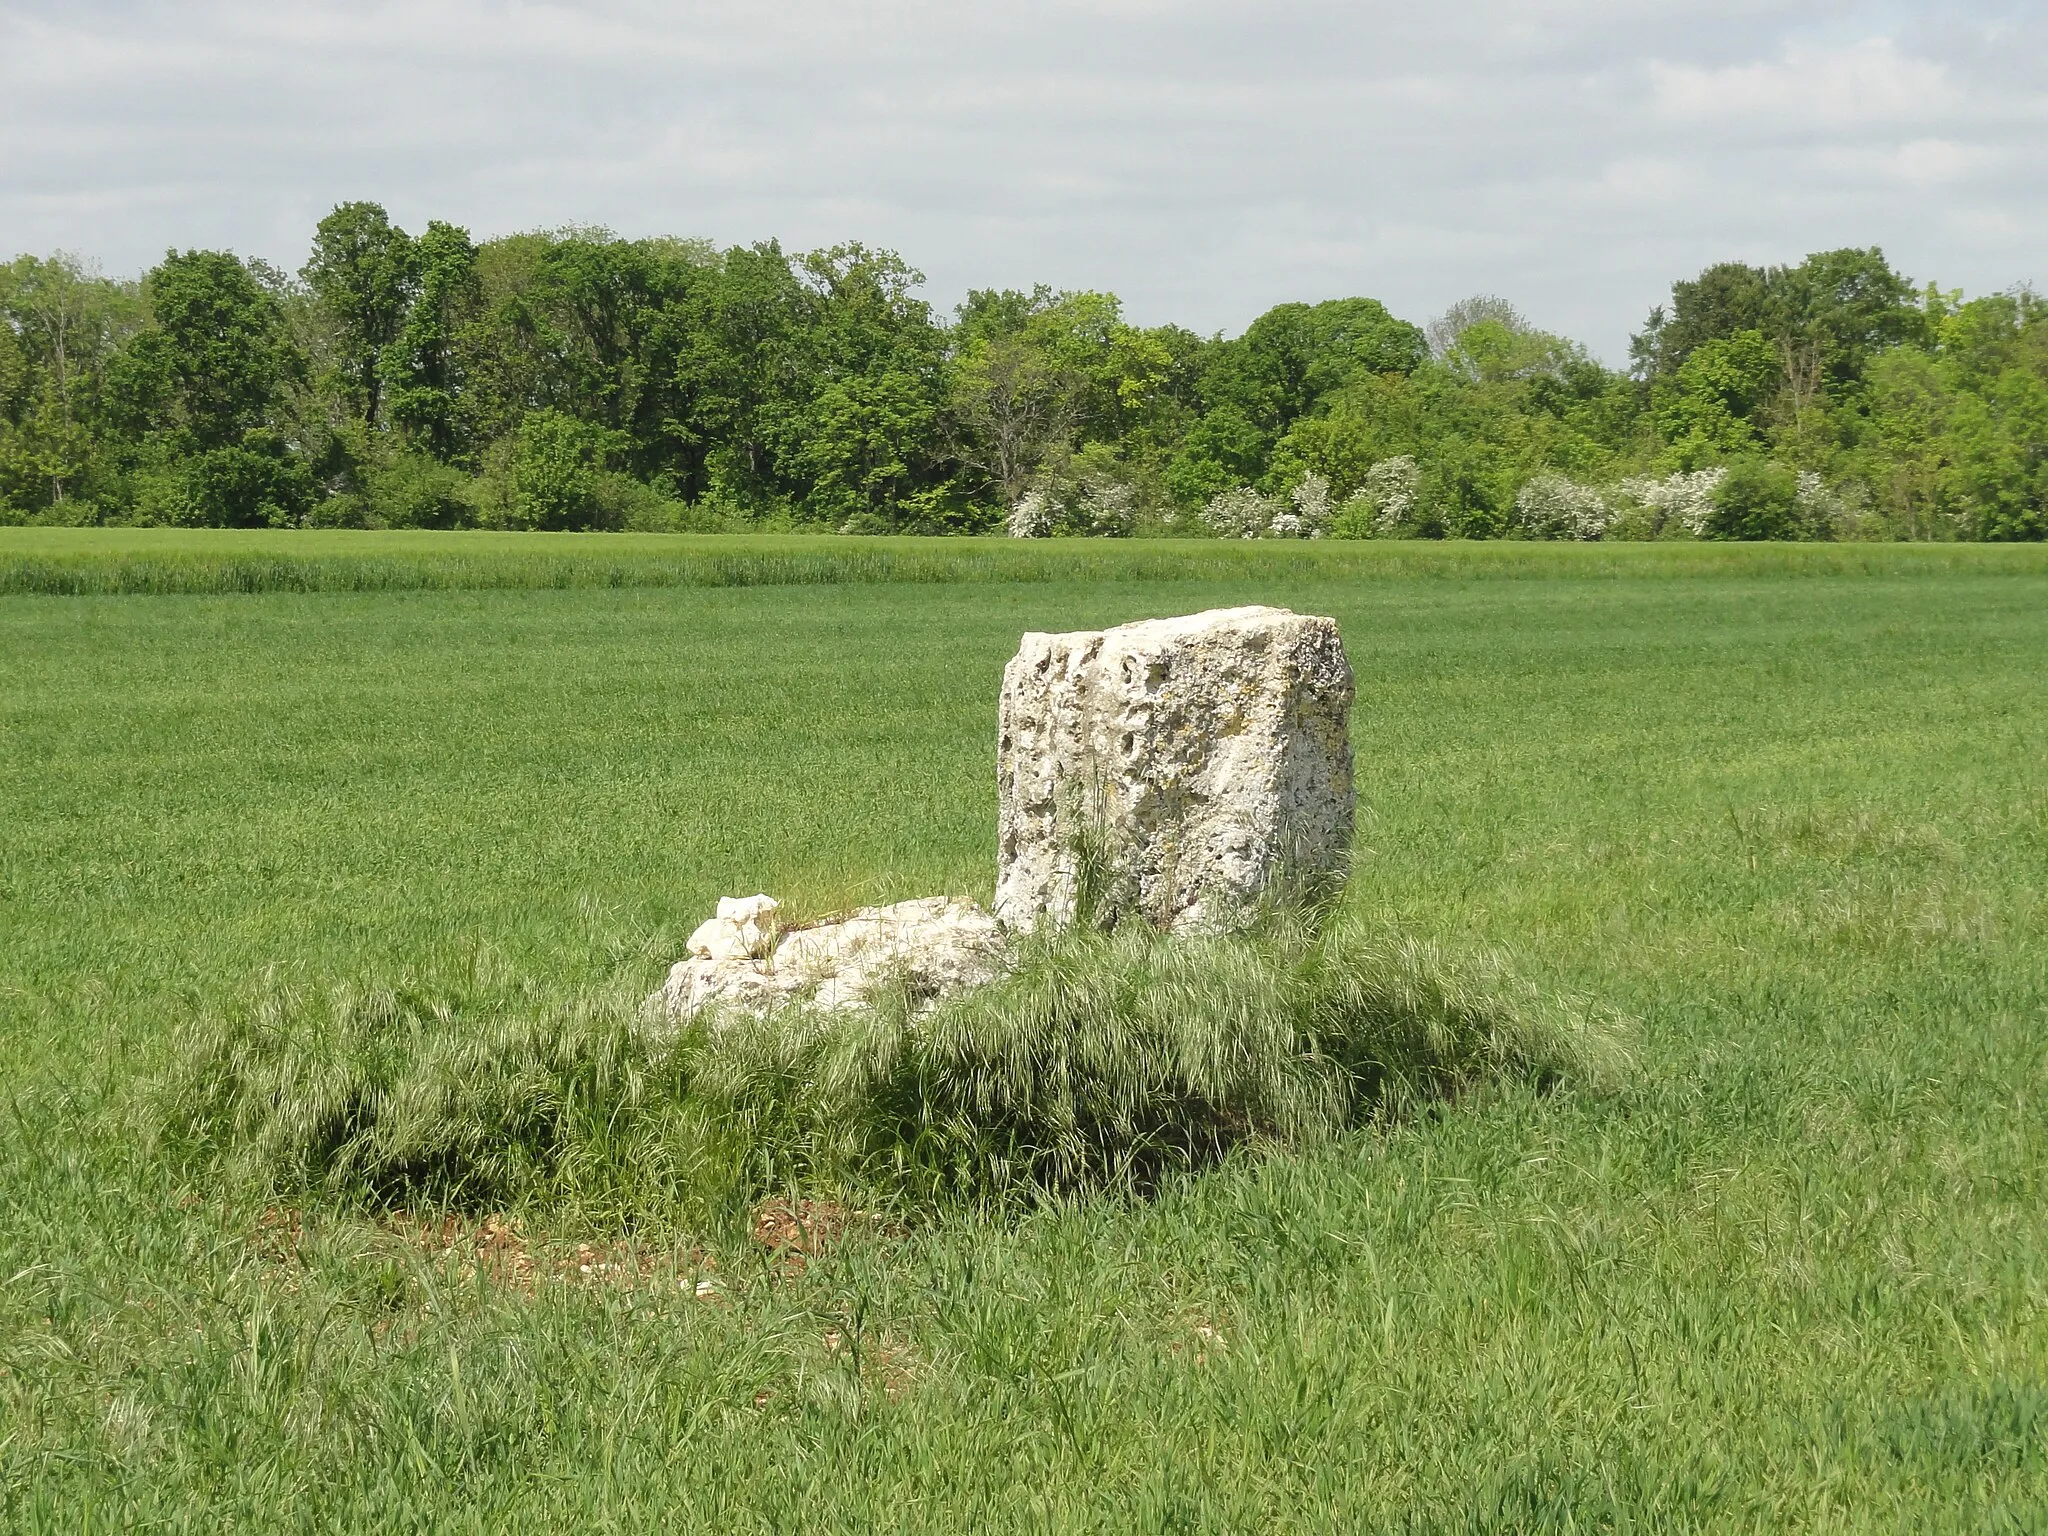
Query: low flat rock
point(743, 959)
point(1191, 767)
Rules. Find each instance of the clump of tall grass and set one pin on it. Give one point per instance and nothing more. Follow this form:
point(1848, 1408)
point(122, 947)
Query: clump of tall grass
point(1113, 1057)
point(1101, 1058)
point(471, 1091)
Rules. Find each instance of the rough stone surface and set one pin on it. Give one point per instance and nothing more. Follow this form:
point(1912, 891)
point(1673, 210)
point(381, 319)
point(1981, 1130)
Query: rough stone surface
point(1198, 759)
point(744, 928)
point(741, 959)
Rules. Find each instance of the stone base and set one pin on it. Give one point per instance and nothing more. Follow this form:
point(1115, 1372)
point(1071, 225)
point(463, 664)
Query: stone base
point(939, 946)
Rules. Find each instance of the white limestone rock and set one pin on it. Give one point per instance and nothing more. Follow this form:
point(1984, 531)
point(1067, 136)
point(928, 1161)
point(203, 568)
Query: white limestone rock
point(744, 927)
point(1200, 760)
point(937, 945)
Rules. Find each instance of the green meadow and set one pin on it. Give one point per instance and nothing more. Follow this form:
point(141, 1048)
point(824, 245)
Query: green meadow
point(1781, 812)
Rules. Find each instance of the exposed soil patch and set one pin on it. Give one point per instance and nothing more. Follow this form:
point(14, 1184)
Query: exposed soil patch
point(796, 1232)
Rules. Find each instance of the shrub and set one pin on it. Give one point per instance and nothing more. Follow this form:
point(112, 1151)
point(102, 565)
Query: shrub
point(1032, 517)
point(1092, 496)
point(414, 491)
point(405, 490)
point(1678, 504)
point(1837, 511)
point(556, 470)
point(347, 509)
point(1387, 503)
point(1553, 507)
point(1104, 508)
point(243, 487)
point(631, 504)
point(1310, 518)
point(1241, 513)
point(1756, 500)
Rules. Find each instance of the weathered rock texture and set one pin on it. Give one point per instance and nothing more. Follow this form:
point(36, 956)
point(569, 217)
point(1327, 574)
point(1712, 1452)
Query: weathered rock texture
point(742, 959)
point(1189, 766)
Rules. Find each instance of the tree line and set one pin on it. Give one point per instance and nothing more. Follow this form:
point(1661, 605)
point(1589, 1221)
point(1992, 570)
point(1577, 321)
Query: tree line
point(569, 379)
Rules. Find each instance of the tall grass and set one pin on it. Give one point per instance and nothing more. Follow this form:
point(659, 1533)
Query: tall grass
point(1100, 1059)
point(471, 1093)
point(144, 562)
point(1116, 1058)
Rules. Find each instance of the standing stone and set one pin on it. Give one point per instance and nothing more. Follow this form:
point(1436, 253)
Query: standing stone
point(1190, 766)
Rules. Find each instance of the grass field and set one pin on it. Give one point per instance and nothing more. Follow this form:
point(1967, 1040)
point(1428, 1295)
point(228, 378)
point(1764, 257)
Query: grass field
point(1782, 808)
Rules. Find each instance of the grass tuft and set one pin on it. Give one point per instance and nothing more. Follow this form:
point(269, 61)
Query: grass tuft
point(1103, 1059)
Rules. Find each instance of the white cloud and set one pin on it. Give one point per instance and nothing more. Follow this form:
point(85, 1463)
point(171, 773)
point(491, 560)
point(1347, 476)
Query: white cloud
point(1871, 82)
point(1920, 165)
point(1205, 158)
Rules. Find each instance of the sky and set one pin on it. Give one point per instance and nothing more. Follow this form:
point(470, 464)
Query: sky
point(1204, 160)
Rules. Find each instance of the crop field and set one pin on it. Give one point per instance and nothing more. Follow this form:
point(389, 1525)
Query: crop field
point(1781, 813)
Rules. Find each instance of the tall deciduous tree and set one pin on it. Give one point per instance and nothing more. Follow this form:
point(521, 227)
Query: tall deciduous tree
point(216, 363)
point(364, 271)
point(206, 386)
point(63, 324)
point(421, 367)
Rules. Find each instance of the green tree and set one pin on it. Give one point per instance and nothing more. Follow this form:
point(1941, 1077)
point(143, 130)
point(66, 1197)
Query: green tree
point(1221, 450)
point(1907, 450)
point(1822, 322)
point(1487, 340)
point(1842, 308)
point(866, 438)
point(422, 367)
point(1295, 356)
point(1034, 376)
point(1998, 477)
point(62, 327)
point(1980, 340)
point(1725, 299)
point(1292, 362)
point(742, 379)
point(364, 272)
point(215, 365)
point(205, 388)
point(1713, 406)
point(1011, 407)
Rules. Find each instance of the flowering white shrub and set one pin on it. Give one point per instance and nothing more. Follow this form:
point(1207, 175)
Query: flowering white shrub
point(1391, 488)
point(1032, 517)
point(1312, 508)
point(1682, 500)
point(1553, 507)
point(1094, 506)
point(1241, 513)
point(1104, 508)
point(1829, 511)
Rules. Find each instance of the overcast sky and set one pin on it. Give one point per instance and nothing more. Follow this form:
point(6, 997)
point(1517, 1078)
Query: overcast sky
point(1203, 158)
